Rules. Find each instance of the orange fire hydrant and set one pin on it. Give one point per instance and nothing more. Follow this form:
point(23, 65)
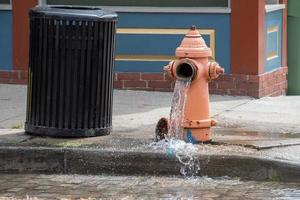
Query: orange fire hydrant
point(193, 63)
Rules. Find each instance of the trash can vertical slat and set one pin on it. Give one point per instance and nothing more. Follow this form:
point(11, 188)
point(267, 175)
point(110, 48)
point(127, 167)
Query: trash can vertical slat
point(55, 84)
point(50, 42)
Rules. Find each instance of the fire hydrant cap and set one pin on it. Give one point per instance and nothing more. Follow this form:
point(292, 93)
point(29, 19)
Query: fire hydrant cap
point(193, 46)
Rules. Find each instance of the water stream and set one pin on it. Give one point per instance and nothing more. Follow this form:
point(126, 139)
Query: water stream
point(177, 108)
point(174, 145)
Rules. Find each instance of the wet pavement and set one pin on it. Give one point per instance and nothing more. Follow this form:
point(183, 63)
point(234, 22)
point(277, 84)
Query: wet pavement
point(265, 128)
point(135, 114)
point(226, 142)
point(32, 186)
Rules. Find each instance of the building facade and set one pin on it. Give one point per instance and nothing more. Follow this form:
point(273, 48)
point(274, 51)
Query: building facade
point(247, 38)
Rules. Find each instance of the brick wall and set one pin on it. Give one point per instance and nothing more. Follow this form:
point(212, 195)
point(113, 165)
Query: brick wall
point(14, 76)
point(143, 81)
point(269, 84)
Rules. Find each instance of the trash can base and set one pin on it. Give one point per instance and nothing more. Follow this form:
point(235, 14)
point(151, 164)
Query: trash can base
point(68, 133)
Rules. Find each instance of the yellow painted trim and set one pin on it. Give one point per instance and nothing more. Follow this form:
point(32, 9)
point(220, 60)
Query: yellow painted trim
point(212, 43)
point(272, 29)
point(210, 32)
point(159, 31)
point(274, 54)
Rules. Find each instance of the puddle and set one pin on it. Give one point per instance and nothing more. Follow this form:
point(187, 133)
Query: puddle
point(140, 187)
point(255, 134)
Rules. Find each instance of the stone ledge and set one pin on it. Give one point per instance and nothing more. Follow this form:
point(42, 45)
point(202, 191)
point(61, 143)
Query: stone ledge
point(95, 161)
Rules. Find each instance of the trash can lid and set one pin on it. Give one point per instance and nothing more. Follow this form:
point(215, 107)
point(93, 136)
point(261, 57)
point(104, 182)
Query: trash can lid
point(78, 12)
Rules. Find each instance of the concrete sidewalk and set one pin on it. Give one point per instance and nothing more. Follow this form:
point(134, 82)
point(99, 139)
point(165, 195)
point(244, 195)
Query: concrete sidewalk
point(136, 109)
point(254, 136)
point(260, 123)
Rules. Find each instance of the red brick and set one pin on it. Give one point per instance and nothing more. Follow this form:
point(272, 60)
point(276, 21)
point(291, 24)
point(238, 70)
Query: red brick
point(172, 84)
point(279, 78)
point(4, 80)
point(238, 92)
point(285, 70)
point(226, 85)
point(241, 77)
point(226, 77)
point(138, 88)
point(18, 81)
point(14, 75)
point(253, 86)
point(24, 75)
point(254, 78)
point(137, 84)
point(129, 76)
point(267, 84)
point(265, 77)
point(276, 87)
point(260, 85)
point(168, 77)
point(152, 76)
point(276, 93)
point(212, 85)
point(218, 91)
point(159, 84)
point(262, 93)
point(253, 93)
point(262, 77)
point(4, 74)
point(242, 86)
point(118, 84)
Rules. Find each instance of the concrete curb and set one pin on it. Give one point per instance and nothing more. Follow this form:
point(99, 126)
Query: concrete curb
point(95, 161)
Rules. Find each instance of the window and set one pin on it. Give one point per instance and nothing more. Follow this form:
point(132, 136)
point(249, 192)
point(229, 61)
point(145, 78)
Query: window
point(272, 2)
point(145, 3)
point(5, 4)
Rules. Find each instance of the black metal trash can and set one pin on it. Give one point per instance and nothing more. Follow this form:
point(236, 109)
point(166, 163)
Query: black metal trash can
point(70, 86)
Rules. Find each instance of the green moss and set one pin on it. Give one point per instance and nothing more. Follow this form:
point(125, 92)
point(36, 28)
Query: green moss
point(275, 178)
point(69, 144)
point(18, 126)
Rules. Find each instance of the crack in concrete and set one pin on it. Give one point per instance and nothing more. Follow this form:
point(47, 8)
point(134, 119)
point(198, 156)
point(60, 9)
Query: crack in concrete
point(26, 140)
point(11, 118)
point(232, 108)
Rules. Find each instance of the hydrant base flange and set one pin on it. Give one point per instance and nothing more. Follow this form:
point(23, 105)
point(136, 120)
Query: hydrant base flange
point(197, 135)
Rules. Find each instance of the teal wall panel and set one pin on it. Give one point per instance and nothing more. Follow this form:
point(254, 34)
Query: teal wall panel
point(143, 44)
point(137, 66)
point(273, 41)
point(5, 40)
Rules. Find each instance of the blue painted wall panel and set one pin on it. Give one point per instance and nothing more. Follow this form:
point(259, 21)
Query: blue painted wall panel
point(173, 20)
point(5, 40)
point(273, 34)
point(146, 44)
point(166, 44)
point(137, 66)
